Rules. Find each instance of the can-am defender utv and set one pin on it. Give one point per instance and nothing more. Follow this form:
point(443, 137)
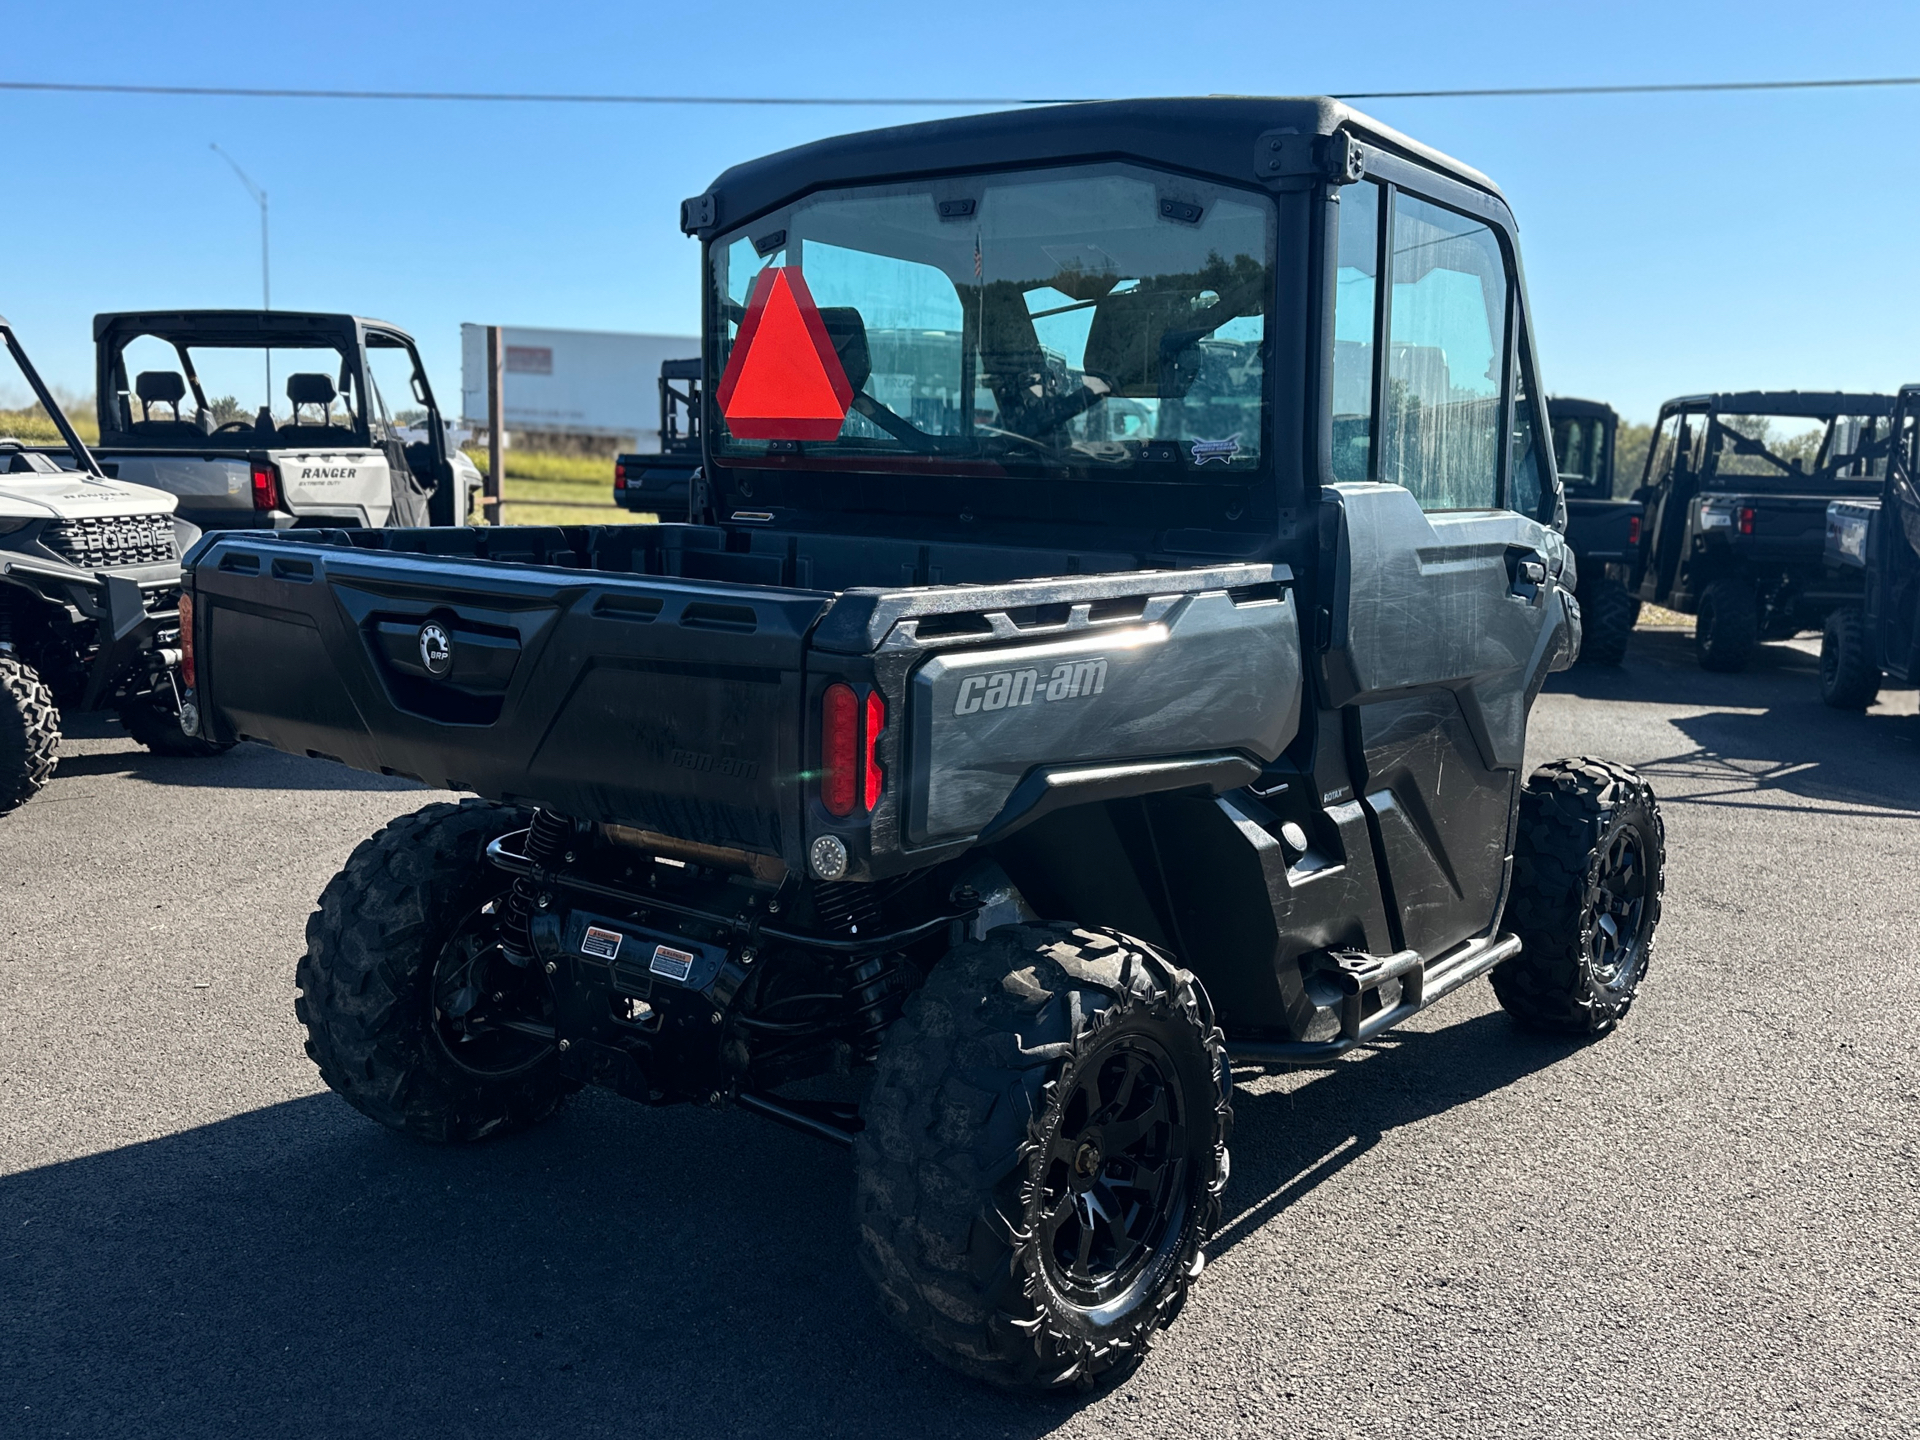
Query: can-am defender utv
point(1602, 530)
point(1876, 539)
point(89, 600)
point(1128, 556)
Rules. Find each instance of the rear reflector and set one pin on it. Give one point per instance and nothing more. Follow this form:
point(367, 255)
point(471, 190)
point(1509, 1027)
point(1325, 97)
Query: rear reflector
point(839, 749)
point(871, 777)
point(186, 638)
point(266, 486)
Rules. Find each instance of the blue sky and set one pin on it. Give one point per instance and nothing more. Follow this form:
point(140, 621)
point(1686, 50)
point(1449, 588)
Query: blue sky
point(1672, 243)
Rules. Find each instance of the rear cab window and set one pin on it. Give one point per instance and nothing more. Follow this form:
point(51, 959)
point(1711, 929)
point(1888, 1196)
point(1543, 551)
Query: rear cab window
point(1092, 320)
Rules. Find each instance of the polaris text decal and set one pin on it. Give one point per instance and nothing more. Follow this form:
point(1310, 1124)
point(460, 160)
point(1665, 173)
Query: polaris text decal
point(1006, 689)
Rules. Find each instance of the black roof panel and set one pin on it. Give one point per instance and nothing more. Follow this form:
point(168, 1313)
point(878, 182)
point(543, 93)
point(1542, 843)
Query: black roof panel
point(1213, 136)
point(236, 327)
point(1558, 405)
point(1812, 404)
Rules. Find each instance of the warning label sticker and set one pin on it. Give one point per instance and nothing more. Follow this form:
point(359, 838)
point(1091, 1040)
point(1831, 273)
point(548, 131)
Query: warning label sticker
point(674, 964)
point(601, 944)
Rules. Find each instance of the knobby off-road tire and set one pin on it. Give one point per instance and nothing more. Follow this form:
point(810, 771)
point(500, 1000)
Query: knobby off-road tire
point(1607, 616)
point(1043, 1079)
point(1849, 680)
point(153, 722)
point(29, 734)
point(1726, 625)
point(400, 934)
point(1589, 867)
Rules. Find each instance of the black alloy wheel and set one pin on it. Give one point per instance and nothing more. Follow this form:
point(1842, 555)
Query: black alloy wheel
point(1619, 907)
point(1114, 1192)
point(1589, 869)
point(1044, 1154)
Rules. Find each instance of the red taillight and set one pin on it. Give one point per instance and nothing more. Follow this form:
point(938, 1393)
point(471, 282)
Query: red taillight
point(619, 477)
point(1633, 530)
point(839, 749)
point(266, 486)
point(186, 638)
point(1746, 519)
point(876, 722)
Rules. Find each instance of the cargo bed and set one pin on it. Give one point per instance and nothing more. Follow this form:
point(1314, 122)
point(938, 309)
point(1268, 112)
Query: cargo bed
point(650, 677)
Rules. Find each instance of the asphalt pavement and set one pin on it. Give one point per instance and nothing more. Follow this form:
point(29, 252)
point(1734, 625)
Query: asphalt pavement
point(1701, 1225)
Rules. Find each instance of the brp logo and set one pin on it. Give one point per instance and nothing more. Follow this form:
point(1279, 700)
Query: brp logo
point(436, 648)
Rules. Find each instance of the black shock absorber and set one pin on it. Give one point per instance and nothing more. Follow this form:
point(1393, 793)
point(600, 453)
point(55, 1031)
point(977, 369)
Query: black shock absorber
point(546, 840)
point(874, 986)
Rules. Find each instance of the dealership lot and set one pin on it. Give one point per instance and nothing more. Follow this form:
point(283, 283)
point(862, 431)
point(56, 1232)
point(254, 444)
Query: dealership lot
point(1699, 1225)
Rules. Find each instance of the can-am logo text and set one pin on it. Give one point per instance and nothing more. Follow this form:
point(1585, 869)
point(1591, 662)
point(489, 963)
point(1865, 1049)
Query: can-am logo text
point(1005, 689)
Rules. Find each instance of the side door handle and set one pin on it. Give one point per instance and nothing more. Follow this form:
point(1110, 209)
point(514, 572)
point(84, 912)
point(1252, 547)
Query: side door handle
point(1526, 575)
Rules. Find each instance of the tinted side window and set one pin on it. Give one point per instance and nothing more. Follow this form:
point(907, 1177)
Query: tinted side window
point(1581, 445)
point(1353, 319)
point(1440, 433)
point(1526, 487)
point(1664, 445)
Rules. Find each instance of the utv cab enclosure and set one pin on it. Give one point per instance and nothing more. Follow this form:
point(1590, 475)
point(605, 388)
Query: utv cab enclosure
point(1736, 489)
point(268, 419)
point(1602, 531)
point(1104, 654)
point(1875, 543)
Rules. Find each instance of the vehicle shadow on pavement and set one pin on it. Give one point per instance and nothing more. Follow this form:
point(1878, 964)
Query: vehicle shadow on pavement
point(1660, 667)
point(1766, 739)
point(245, 767)
point(1286, 1142)
point(296, 1271)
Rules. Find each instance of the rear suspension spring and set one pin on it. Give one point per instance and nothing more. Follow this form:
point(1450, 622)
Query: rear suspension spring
point(875, 987)
point(546, 838)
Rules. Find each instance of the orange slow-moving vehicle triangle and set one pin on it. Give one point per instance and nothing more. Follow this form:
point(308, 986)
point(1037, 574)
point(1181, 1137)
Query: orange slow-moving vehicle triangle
point(783, 380)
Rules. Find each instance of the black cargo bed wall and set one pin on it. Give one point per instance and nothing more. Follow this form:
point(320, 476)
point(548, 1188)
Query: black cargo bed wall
point(797, 560)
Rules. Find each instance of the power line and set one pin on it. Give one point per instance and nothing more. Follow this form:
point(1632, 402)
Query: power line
point(507, 96)
point(1690, 88)
point(518, 97)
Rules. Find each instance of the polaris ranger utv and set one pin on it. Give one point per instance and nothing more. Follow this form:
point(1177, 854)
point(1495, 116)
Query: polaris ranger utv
point(1736, 489)
point(1602, 531)
point(1105, 658)
point(89, 600)
point(352, 437)
point(662, 484)
point(1876, 542)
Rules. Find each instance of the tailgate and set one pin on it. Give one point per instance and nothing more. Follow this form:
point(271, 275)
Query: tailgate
point(1603, 529)
point(1848, 524)
point(668, 704)
point(202, 482)
point(1789, 529)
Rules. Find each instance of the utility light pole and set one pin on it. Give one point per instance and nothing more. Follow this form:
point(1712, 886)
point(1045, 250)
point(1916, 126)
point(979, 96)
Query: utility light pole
point(266, 289)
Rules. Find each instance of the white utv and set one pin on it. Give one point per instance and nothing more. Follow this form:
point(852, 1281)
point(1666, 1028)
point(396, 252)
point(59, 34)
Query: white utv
point(89, 600)
point(270, 419)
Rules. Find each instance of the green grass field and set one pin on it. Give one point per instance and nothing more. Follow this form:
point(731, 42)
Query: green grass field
point(32, 427)
point(543, 489)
